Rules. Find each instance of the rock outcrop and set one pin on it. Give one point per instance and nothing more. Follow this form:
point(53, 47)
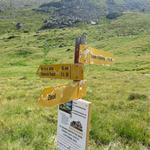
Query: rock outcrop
point(67, 13)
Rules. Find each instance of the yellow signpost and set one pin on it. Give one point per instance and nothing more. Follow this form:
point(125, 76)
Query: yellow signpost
point(61, 71)
point(88, 55)
point(61, 94)
point(66, 94)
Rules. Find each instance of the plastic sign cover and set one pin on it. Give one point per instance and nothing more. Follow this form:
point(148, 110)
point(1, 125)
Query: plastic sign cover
point(73, 125)
point(88, 55)
point(61, 94)
point(61, 71)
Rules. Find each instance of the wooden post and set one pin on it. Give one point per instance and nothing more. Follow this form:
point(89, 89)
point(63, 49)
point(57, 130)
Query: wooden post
point(77, 48)
point(79, 40)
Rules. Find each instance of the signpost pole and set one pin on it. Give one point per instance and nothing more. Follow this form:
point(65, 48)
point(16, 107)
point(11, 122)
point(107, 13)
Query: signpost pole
point(79, 40)
point(77, 48)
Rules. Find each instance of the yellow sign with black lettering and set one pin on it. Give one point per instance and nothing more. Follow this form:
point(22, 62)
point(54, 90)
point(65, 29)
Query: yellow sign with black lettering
point(88, 55)
point(61, 71)
point(61, 94)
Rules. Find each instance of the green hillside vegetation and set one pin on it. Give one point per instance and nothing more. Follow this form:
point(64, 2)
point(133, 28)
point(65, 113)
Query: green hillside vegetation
point(119, 93)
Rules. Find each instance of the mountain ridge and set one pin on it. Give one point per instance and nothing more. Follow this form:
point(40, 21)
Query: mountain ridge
point(68, 13)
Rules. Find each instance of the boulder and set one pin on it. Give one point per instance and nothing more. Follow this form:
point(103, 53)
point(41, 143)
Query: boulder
point(19, 25)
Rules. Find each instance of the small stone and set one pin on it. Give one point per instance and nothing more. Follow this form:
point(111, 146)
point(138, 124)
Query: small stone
point(23, 78)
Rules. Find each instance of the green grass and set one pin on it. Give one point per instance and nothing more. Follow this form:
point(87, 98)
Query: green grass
point(119, 93)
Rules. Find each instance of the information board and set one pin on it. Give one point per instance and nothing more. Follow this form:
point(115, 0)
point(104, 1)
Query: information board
point(61, 94)
point(89, 55)
point(61, 71)
point(73, 125)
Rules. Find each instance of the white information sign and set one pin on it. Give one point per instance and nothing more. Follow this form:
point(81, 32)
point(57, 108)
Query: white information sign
point(73, 125)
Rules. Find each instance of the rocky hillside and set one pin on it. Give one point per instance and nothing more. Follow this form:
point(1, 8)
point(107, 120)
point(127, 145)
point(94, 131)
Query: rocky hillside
point(66, 13)
point(69, 12)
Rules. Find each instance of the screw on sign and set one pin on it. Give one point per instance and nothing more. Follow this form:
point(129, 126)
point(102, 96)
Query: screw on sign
point(73, 112)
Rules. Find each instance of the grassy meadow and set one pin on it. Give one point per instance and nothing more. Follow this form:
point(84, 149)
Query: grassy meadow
point(120, 94)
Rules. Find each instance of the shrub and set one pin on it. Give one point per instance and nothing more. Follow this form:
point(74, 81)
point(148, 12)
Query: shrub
point(135, 96)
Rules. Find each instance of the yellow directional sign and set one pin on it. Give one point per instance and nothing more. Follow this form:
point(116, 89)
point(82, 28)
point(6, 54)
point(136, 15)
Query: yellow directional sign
point(61, 71)
point(88, 55)
point(61, 94)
